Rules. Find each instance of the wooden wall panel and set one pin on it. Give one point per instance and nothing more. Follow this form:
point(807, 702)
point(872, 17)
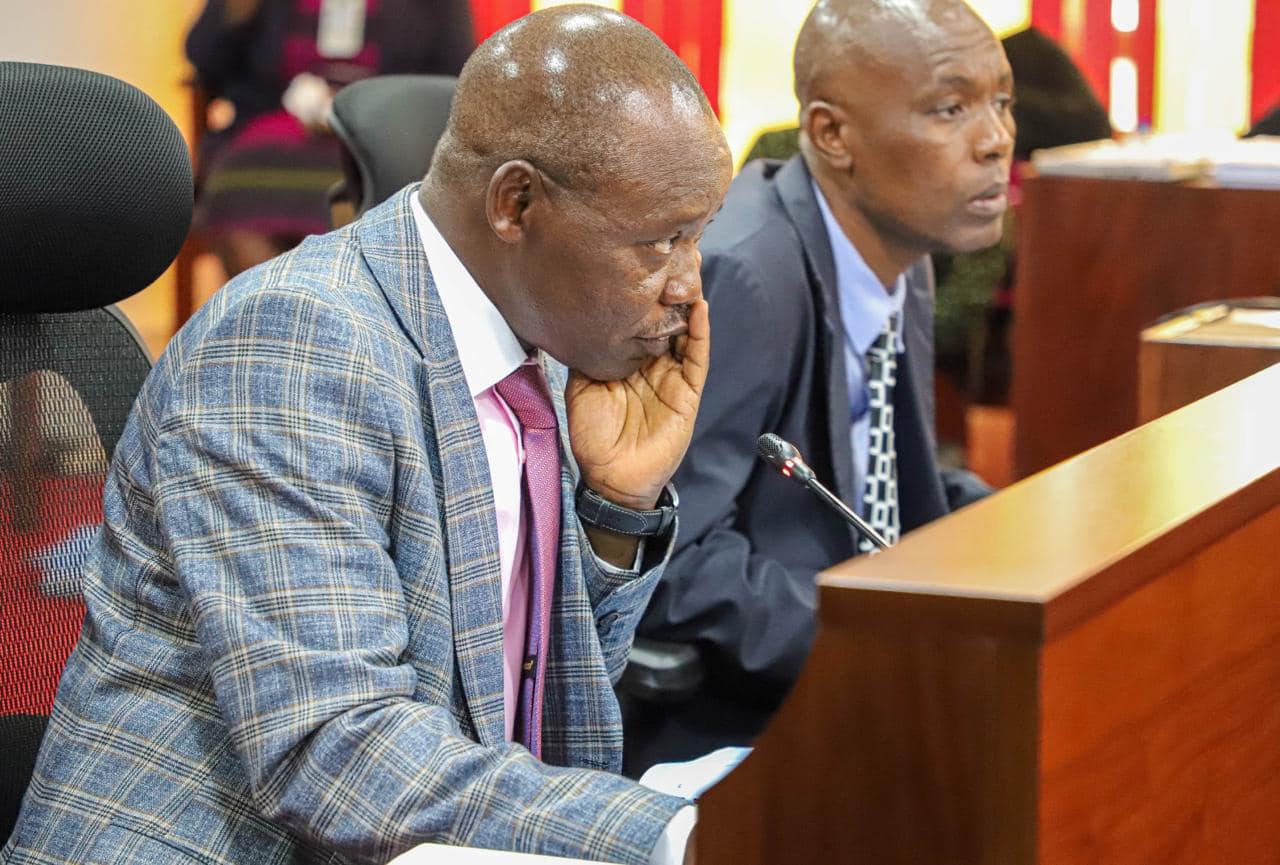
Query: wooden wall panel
point(1098, 261)
point(1171, 375)
point(1160, 717)
point(931, 732)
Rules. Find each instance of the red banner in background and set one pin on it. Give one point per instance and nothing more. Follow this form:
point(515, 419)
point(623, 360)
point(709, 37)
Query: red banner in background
point(694, 31)
point(1046, 16)
point(489, 16)
point(1144, 54)
point(1266, 58)
point(1087, 35)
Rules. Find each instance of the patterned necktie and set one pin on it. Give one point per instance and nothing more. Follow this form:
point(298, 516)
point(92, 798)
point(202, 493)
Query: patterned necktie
point(525, 392)
point(880, 495)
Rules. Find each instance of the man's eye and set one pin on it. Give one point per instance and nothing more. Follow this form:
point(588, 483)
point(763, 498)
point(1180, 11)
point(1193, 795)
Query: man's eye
point(665, 246)
point(1004, 103)
point(951, 109)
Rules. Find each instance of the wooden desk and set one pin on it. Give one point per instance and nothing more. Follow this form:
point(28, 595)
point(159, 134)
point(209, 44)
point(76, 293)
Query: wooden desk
point(1099, 260)
point(1192, 353)
point(1082, 668)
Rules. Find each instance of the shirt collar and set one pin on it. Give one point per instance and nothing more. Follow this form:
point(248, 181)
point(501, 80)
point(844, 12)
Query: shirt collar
point(487, 347)
point(865, 305)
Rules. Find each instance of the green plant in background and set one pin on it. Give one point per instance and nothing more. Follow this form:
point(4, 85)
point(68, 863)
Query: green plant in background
point(781, 143)
point(967, 285)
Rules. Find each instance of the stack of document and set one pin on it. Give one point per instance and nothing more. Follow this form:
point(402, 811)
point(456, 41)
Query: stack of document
point(1146, 157)
point(1246, 323)
point(1253, 163)
point(1214, 156)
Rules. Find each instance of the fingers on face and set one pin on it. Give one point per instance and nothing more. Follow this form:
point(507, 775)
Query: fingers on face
point(695, 352)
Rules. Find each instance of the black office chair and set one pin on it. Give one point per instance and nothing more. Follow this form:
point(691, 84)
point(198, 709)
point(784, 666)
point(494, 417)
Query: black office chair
point(389, 126)
point(95, 182)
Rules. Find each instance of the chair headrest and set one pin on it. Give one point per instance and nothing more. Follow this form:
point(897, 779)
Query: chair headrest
point(95, 181)
point(390, 125)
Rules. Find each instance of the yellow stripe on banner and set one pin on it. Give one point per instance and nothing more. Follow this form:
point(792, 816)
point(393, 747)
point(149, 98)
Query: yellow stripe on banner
point(1004, 16)
point(547, 4)
point(1203, 71)
point(756, 78)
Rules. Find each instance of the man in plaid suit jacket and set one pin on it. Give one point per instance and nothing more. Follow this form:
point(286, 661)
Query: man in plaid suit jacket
point(294, 644)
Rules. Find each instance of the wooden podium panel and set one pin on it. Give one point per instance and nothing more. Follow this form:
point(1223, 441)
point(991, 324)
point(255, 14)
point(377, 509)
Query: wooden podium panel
point(1189, 354)
point(1081, 668)
point(1098, 260)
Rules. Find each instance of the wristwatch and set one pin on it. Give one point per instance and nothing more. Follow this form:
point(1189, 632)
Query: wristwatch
point(597, 511)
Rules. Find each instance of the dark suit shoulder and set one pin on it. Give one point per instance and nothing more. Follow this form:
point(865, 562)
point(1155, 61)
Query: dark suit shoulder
point(750, 205)
point(753, 240)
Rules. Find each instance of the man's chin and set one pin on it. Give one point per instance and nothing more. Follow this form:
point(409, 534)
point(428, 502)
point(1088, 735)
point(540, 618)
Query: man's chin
point(610, 370)
point(976, 240)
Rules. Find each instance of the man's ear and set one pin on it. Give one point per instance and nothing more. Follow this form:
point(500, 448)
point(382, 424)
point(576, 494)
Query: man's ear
point(826, 126)
point(513, 187)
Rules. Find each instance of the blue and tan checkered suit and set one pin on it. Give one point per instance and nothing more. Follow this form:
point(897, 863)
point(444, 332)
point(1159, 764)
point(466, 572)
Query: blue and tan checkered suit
point(293, 651)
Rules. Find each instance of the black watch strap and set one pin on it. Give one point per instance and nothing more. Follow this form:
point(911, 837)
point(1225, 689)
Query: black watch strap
point(595, 510)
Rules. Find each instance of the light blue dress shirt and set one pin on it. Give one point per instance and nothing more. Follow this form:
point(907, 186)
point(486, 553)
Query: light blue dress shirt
point(865, 306)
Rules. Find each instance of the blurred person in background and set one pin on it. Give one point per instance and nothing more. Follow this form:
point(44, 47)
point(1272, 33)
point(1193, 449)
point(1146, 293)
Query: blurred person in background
point(265, 176)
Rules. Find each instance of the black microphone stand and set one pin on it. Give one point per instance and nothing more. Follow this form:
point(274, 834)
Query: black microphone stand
point(851, 516)
point(785, 457)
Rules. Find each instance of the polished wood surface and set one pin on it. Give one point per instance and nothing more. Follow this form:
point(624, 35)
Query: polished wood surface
point(1099, 260)
point(1160, 730)
point(1191, 354)
point(1171, 375)
point(1082, 668)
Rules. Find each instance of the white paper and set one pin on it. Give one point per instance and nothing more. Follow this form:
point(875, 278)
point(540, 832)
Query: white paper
point(690, 780)
point(340, 32)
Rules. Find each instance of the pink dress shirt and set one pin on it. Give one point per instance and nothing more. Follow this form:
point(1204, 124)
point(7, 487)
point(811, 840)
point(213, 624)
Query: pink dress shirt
point(489, 352)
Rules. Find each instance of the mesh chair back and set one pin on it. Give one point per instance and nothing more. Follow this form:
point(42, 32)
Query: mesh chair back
point(389, 126)
point(97, 185)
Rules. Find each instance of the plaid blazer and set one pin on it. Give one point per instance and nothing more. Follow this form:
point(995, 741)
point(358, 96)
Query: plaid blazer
point(293, 646)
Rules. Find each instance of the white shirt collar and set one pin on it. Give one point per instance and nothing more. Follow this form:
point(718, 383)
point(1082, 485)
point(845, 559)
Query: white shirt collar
point(487, 347)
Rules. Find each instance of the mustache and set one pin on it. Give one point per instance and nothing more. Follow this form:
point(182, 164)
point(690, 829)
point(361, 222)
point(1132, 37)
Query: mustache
point(678, 317)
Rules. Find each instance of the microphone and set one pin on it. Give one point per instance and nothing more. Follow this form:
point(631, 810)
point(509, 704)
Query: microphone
point(785, 457)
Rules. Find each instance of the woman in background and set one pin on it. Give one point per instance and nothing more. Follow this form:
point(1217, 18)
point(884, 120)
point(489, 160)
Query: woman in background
point(265, 177)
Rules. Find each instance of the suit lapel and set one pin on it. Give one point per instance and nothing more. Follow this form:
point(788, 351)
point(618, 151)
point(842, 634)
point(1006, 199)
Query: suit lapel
point(918, 336)
point(394, 253)
point(795, 188)
point(920, 492)
point(565, 694)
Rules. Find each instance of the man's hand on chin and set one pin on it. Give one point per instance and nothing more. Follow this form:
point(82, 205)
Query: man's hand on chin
point(629, 436)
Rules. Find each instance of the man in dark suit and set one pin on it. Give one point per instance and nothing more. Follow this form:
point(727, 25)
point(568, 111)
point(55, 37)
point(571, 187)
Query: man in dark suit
point(821, 296)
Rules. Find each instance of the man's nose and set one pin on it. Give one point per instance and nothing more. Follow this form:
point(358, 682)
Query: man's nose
point(995, 140)
point(684, 282)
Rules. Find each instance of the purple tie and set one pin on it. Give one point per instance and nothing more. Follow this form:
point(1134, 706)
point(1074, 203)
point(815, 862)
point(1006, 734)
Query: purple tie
point(525, 392)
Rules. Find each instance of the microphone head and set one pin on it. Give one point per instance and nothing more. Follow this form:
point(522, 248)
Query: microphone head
point(784, 456)
point(775, 450)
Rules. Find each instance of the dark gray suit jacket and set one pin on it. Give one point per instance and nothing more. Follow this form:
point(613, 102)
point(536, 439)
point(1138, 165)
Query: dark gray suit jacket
point(741, 583)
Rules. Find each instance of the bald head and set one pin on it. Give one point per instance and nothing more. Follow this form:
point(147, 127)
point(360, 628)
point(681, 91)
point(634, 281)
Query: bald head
point(906, 125)
point(580, 165)
point(571, 89)
point(847, 36)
